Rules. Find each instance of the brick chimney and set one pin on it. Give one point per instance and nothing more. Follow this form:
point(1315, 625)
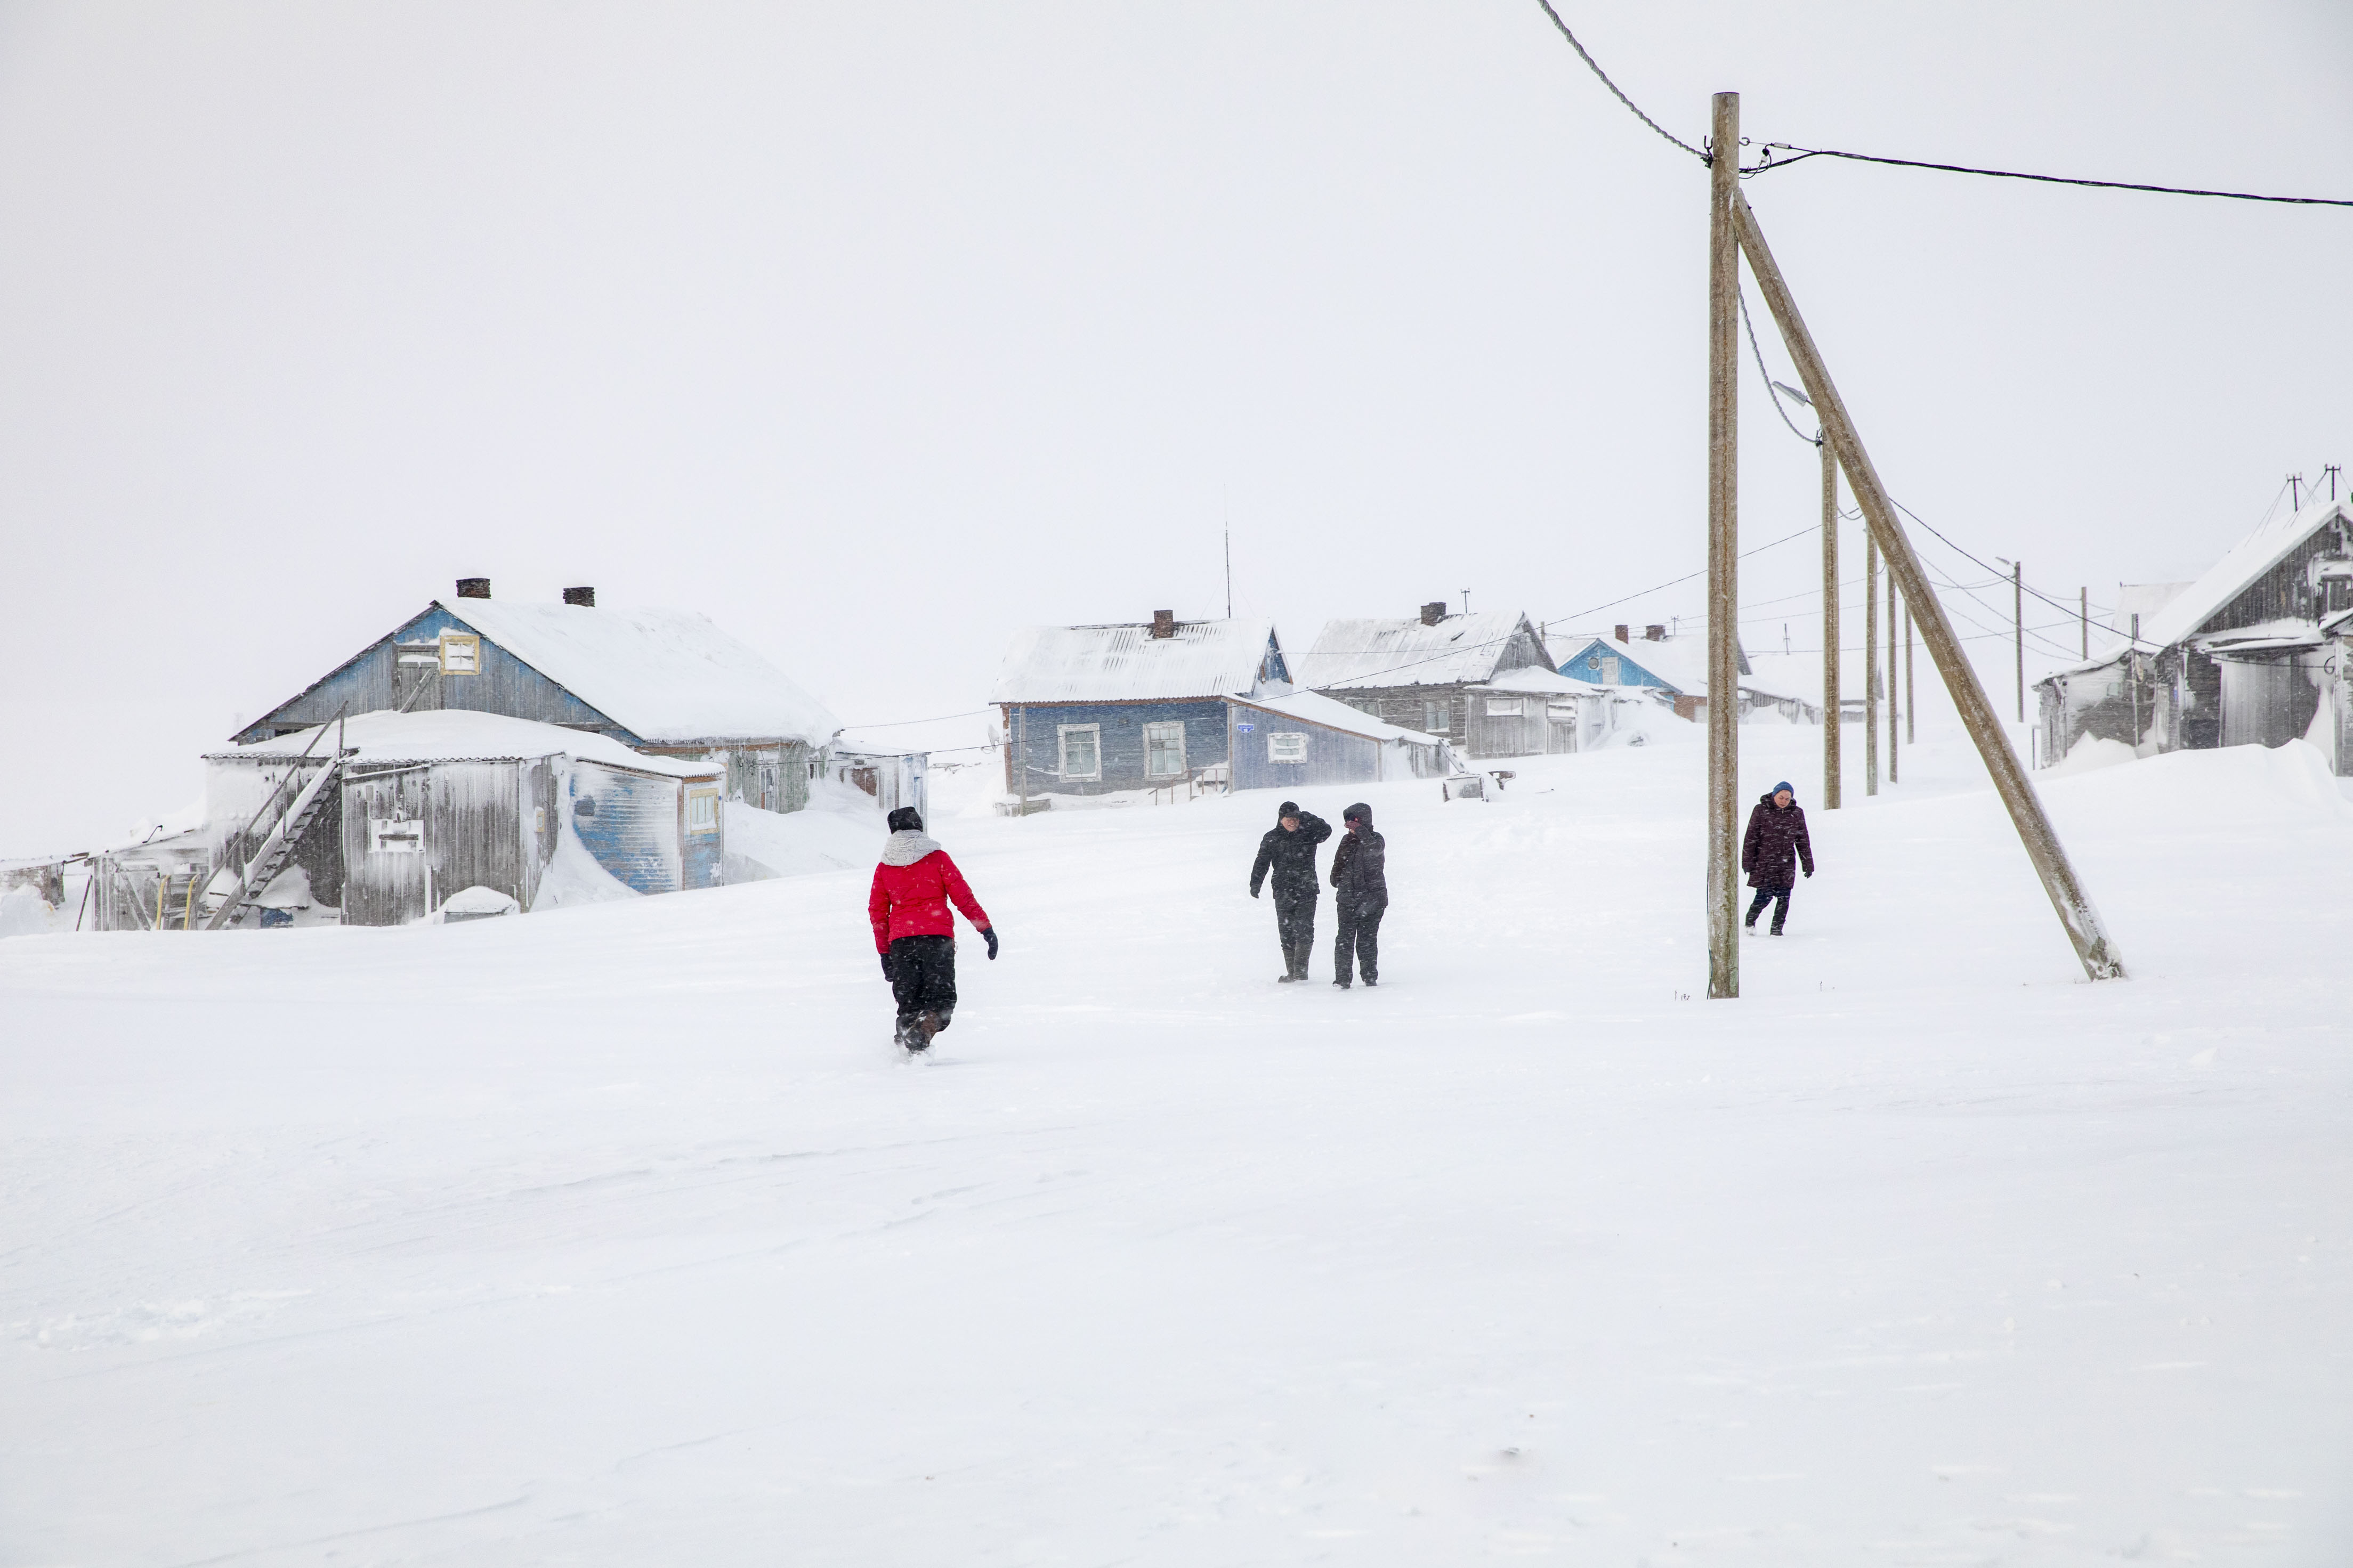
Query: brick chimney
point(473, 587)
point(1433, 611)
point(583, 597)
point(1619, 633)
point(1164, 623)
point(1654, 634)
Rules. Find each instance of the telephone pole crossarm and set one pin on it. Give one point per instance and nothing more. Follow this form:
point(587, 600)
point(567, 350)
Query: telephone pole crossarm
point(2076, 914)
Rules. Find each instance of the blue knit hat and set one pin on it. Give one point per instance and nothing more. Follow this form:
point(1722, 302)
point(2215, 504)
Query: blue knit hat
point(1782, 785)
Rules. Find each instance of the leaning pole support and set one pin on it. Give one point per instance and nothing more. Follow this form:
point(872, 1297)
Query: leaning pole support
point(2098, 954)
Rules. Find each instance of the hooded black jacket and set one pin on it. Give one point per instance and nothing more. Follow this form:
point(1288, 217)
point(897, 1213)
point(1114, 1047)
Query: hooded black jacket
point(1291, 857)
point(1360, 864)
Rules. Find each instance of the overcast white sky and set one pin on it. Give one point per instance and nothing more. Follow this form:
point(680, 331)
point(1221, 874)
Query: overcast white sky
point(875, 333)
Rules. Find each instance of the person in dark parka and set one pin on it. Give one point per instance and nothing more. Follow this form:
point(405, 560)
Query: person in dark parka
point(1775, 842)
point(1360, 880)
point(1288, 850)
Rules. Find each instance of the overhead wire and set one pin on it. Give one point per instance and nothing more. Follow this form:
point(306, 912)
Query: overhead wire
point(1805, 152)
point(1595, 66)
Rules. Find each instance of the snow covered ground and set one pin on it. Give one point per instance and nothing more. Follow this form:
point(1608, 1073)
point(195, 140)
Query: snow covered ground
point(619, 1234)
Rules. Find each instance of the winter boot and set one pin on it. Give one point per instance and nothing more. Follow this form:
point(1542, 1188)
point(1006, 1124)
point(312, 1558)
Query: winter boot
point(927, 1024)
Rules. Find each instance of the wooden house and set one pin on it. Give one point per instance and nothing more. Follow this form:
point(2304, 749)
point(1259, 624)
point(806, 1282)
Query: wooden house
point(2252, 652)
point(415, 809)
point(1096, 709)
point(1305, 739)
point(1674, 669)
point(1425, 673)
point(663, 683)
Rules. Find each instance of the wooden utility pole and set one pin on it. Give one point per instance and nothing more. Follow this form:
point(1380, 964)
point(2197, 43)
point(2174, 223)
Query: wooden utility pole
point(1894, 706)
point(2018, 628)
point(2084, 616)
point(1912, 702)
point(1830, 704)
point(2084, 930)
point(1723, 551)
point(1870, 665)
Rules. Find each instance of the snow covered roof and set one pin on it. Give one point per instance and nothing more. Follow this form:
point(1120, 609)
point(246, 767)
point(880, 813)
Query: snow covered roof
point(1408, 653)
point(1681, 663)
point(452, 734)
point(1125, 663)
point(2213, 589)
point(1314, 708)
point(668, 676)
point(1536, 677)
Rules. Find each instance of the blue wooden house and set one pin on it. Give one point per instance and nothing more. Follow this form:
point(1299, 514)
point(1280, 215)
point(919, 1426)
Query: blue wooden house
point(664, 683)
point(1136, 705)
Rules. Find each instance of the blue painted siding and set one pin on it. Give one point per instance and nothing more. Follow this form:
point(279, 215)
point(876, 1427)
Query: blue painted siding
point(1586, 665)
point(1121, 734)
point(629, 822)
point(1334, 756)
point(368, 683)
point(704, 855)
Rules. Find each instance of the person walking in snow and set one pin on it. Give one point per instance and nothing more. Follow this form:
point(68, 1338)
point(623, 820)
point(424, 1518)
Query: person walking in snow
point(1289, 851)
point(1775, 842)
point(914, 930)
point(1360, 880)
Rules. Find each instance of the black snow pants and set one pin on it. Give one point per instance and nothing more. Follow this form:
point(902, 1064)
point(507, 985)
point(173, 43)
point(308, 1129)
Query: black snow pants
point(1779, 898)
point(922, 977)
point(1359, 945)
point(1295, 925)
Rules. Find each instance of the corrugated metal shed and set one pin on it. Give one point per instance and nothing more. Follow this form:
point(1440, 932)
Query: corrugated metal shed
point(1125, 663)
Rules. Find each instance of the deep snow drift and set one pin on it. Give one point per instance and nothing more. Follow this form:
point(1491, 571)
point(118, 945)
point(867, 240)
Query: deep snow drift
point(619, 1236)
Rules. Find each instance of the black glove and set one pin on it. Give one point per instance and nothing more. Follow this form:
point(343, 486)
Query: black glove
point(888, 973)
point(1253, 892)
point(988, 935)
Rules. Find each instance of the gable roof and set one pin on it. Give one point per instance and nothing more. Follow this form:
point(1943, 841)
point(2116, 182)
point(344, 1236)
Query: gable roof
point(1125, 663)
point(1380, 652)
point(1681, 664)
point(668, 676)
point(2211, 591)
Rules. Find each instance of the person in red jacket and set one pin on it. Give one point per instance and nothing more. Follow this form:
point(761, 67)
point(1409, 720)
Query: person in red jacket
point(914, 930)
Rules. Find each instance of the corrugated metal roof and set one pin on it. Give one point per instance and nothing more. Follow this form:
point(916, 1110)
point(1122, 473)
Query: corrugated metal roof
point(1125, 663)
point(667, 676)
point(1369, 653)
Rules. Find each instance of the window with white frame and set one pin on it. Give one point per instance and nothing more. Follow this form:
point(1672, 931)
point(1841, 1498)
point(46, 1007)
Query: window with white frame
point(1286, 748)
point(1081, 755)
point(703, 811)
point(1436, 715)
point(1561, 710)
point(1164, 750)
point(1504, 708)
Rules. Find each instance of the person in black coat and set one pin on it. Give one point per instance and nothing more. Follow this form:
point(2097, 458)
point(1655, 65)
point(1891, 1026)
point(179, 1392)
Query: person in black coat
point(1360, 880)
point(1288, 850)
point(1775, 842)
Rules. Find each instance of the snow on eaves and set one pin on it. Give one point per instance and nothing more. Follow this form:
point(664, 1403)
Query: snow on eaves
point(456, 734)
point(1125, 663)
point(1536, 678)
point(668, 676)
point(1380, 652)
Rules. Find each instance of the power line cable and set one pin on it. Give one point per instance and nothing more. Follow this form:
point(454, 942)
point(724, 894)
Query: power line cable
point(1805, 152)
point(1772, 388)
point(1595, 66)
